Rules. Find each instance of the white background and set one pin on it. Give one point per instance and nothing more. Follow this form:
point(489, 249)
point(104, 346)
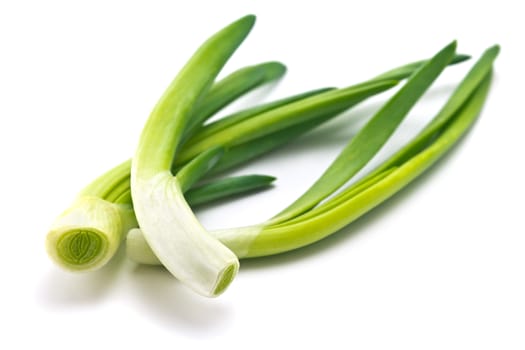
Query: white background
point(439, 266)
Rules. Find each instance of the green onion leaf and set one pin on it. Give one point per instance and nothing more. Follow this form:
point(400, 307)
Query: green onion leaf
point(377, 187)
point(371, 138)
point(198, 167)
point(231, 88)
point(227, 187)
point(334, 101)
point(233, 119)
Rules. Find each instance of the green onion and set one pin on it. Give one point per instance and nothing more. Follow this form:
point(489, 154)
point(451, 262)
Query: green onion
point(167, 221)
point(114, 186)
point(287, 232)
point(87, 235)
point(170, 227)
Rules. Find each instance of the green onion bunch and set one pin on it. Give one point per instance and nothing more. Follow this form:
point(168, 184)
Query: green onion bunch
point(147, 202)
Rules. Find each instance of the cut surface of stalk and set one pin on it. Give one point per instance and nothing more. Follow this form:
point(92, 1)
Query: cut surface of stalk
point(88, 234)
point(445, 129)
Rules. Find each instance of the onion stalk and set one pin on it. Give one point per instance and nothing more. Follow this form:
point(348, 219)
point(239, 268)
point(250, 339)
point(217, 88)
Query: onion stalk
point(306, 221)
point(88, 234)
point(167, 221)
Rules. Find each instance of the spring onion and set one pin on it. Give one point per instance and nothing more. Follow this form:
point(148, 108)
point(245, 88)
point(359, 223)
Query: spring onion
point(170, 227)
point(287, 232)
point(87, 235)
point(168, 223)
point(177, 148)
point(114, 189)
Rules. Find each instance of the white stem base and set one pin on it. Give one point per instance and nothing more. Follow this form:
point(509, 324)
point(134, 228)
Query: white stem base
point(177, 238)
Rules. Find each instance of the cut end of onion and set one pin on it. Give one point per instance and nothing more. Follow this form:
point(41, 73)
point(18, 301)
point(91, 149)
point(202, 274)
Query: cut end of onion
point(79, 249)
point(86, 235)
point(225, 278)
